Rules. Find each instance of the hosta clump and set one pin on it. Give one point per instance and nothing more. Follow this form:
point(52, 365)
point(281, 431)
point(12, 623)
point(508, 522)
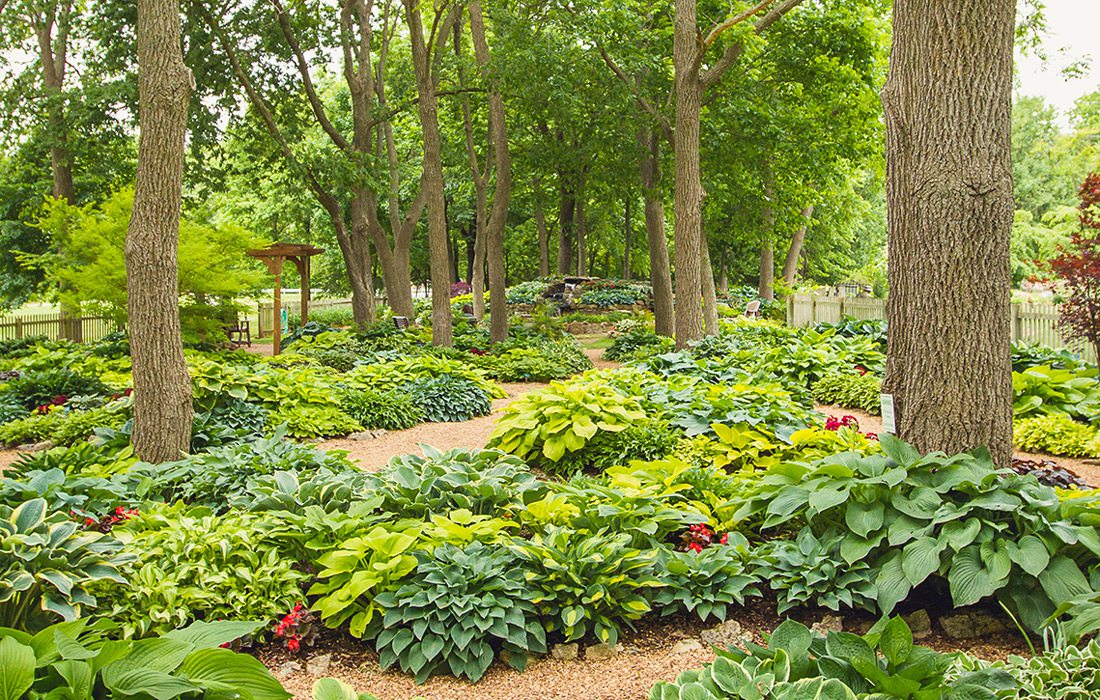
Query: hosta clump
point(705, 583)
point(850, 390)
point(222, 475)
point(542, 426)
point(1043, 390)
point(587, 582)
point(11, 408)
point(484, 482)
point(449, 399)
point(459, 610)
point(396, 374)
point(227, 422)
point(754, 405)
point(637, 343)
point(912, 517)
point(1065, 672)
point(800, 665)
point(48, 565)
point(34, 389)
point(1057, 435)
point(193, 565)
point(388, 410)
point(646, 440)
point(810, 571)
point(286, 491)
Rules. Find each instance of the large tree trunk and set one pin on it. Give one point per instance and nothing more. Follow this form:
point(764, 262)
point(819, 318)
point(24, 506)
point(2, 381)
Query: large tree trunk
point(660, 275)
point(502, 188)
point(162, 386)
point(790, 263)
point(949, 192)
point(433, 177)
point(565, 229)
point(688, 205)
point(582, 236)
point(710, 299)
point(544, 233)
point(628, 236)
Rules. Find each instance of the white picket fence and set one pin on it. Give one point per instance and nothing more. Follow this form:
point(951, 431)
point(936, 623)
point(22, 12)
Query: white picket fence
point(1031, 322)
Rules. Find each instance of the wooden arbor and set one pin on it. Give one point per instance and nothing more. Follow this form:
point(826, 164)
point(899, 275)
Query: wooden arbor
point(274, 256)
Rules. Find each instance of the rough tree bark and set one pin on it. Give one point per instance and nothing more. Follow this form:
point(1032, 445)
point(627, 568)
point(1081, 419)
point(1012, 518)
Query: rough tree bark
point(688, 198)
point(162, 385)
point(566, 211)
point(710, 298)
point(480, 177)
point(790, 263)
point(660, 274)
point(766, 287)
point(502, 188)
point(432, 182)
point(543, 231)
point(628, 236)
point(948, 101)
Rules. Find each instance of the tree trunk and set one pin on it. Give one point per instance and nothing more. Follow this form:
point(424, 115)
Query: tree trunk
point(628, 237)
point(948, 102)
point(565, 230)
point(723, 274)
point(162, 385)
point(688, 201)
point(428, 110)
point(710, 300)
point(766, 287)
point(660, 275)
point(544, 233)
point(790, 263)
point(502, 188)
point(582, 232)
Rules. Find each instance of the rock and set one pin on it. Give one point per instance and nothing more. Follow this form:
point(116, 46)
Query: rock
point(565, 652)
point(319, 665)
point(920, 624)
point(725, 635)
point(365, 435)
point(596, 652)
point(518, 659)
point(287, 670)
point(35, 446)
point(971, 625)
point(686, 645)
point(631, 649)
point(827, 624)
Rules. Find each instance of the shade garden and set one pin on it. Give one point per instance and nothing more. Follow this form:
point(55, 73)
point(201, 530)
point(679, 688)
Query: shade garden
point(698, 484)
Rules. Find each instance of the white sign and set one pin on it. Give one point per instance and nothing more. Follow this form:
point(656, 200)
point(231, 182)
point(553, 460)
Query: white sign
point(887, 403)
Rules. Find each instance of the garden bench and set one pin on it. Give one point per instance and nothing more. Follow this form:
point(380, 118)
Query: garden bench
point(239, 333)
point(401, 322)
point(752, 309)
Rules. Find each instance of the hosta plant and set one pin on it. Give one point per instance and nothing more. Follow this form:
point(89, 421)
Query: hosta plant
point(48, 565)
point(449, 399)
point(75, 660)
point(542, 426)
point(810, 571)
point(459, 610)
point(389, 410)
point(705, 583)
point(1056, 434)
point(587, 582)
point(1043, 390)
point(850, 390)
point(396, 374)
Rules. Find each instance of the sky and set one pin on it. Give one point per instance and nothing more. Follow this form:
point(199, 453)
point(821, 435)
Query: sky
point(1073, 33)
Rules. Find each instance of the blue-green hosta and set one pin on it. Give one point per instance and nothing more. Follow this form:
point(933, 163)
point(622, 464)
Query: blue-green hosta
point(460, 608)
point(911, 517)
point(48, 564)
point(800, 665)
point(706, 583)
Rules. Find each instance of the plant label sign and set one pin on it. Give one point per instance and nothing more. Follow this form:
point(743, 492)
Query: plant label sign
point(888, 423)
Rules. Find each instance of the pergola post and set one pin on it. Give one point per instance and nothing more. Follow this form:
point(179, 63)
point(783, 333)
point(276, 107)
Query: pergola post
point(274, 256)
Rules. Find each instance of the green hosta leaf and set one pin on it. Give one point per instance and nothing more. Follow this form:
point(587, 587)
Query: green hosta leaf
point(817, 689)
point(920, 559)
point(892, 584)
point(17, 663)
point(896, 641)
point(695, 691)
point(864, 518)
point(28, 515)
point(210, 635)
point(226, 671)
point(1030, 554)
point(1063, 580)
point(157, 684)
point(333, 689)
point(969, 580)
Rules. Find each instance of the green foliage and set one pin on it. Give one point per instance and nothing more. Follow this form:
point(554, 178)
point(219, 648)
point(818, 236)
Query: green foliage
point(539, 361)
point(11, 408)
point(389, 410)
point(542, 426)
point(861, 391)
point(449, 398)
point(707, 583)
point(796, 664)
point(586, 582)
point(1065, 672)
point(526, 292)
point(459, 609)
point(1026, 355)
point(645, 440)
point(313, 421)
point(606, 298)
point(911, 517)
point(484, 482)
point(637, 344)
point(1041, 390)
point(395, 374)
point(1056, 434)
point(34, 389)
point(193, 565)
point(63, 426)
point(810, 571)
point(48, 565)
point(75, 660)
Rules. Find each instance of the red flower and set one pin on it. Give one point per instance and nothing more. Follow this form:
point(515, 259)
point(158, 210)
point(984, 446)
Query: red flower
point(695, 547)
point(871, 436)
point(293, 644)
point(59, 400)
point(725, 538)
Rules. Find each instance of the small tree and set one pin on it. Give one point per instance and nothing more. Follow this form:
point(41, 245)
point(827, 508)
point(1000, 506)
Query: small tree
point(1079, 268)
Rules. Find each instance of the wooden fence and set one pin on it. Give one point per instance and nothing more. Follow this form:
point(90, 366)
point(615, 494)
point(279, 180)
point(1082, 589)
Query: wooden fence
point(1031, 322)
point(265, 324)
point(87, 328)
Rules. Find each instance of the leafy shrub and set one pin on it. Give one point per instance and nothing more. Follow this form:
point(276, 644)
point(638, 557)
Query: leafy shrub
point(1026, 355)
point(84, 459)
point(756, 405)
point(396, 374)
point(542, 426)
point(11, 408)
point(637, 344)
point(449, 398)
point(389, 410)
point(526, 292)
point(1041, 390)
point(63, 426)
point(796, 664)
point(586, 582)
point(19, 347)
point(542, 361)
point(704, 583)
point(228, 422)
point(810, 571)
point(604, 298)
point(1066, 672)
point(48, 565)
point(34, 389)
point(219, 476)
point(75, 660)
point(313, 421)
point(1054, 434)
point(460, 609)
point(645, 440)
point(193, 565)
point(327, 489)
point(861, 391)
point(484, 482)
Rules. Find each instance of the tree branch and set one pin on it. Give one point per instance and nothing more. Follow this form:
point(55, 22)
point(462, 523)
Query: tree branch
point(712, 75)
